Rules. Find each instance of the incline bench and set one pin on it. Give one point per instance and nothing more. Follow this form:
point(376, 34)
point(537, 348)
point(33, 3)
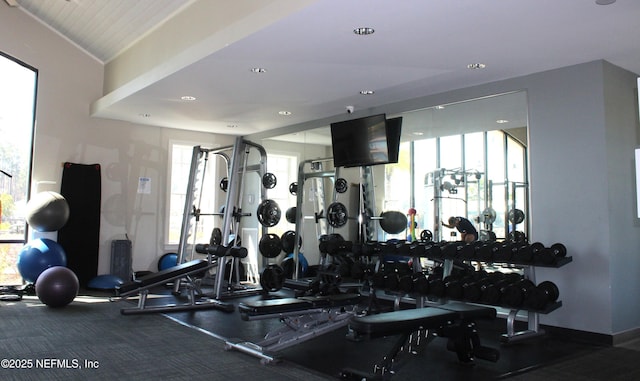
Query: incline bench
point(304, 318)
point(455, 321)
point(187, 270)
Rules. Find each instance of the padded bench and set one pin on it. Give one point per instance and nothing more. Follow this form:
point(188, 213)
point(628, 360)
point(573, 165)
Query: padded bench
point(162, 276)
point(142, 285)
point(285, 306)
point(454, 321)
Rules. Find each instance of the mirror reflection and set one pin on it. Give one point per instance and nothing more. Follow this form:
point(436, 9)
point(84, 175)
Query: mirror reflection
point(466, 159)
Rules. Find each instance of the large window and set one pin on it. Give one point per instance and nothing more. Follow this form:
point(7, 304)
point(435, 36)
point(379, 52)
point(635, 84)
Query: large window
point(17, 108)
point(203, 193)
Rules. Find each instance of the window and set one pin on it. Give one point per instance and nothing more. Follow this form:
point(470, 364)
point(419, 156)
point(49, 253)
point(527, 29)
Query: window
point(204, 192)
point(17, 109)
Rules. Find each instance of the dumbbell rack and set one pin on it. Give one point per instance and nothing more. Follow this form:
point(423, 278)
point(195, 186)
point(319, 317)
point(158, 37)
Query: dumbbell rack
point(533, 317)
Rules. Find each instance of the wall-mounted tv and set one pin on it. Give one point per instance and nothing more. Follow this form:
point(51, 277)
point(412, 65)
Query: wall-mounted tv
point(394, 129)
point(364, 141)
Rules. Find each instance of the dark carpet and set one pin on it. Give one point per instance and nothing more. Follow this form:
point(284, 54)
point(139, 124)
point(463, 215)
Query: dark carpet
point(90, 340)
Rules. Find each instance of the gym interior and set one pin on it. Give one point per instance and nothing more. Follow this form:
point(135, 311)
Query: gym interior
point(320, 249)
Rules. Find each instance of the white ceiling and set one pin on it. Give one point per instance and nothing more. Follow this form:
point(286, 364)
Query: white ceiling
point(315, 64)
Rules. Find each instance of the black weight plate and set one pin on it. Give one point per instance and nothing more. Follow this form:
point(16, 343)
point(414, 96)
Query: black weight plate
point(269, 180)
point(516, 216)
point(224, 184)
point(270, 245)
point(293, 188)
point(337, 215)
point(268, 213)
point(216, 236)
point(341, 185)
point(393, 222)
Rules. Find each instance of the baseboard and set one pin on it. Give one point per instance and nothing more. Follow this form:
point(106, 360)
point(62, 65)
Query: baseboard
point(586, 337)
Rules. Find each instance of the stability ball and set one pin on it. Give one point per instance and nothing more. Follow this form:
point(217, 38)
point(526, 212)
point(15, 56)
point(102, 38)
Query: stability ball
point(37, 256)
point(47, 211)
point(167, 260)
point(57, 286)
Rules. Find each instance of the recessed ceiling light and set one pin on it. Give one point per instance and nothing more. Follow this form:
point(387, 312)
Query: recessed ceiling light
point(439, 107)
point(418, 133)
point(367, 92)
point(363, 31)
point(605, 2)
point(145, 115)
point(188, 98)
point(502, 121)
point(232, 125)
point(258, 70)
point(476, 66)
point(284, 112)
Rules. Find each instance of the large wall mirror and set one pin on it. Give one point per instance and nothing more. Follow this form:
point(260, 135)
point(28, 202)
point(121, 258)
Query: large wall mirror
point(460, 159)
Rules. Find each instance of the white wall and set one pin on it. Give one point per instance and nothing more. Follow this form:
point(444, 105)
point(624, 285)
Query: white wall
point(68, 81)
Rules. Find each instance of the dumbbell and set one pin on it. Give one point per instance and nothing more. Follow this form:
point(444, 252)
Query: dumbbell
point(491, 292)
point(505, 251)
point(551, 255)
point(525, 253)
point(544, 294)
point(436, 285)
point(516, 293)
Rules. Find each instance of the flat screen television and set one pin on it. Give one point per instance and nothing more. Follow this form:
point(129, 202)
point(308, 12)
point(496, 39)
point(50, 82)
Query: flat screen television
point(360, 142)
point(394, 129)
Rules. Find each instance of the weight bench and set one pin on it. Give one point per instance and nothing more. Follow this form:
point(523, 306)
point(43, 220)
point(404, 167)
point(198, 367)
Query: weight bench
point(417, 327)
point(304, 318)
point(189, 271)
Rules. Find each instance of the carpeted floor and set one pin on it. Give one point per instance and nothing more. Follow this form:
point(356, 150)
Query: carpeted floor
point(90, 340)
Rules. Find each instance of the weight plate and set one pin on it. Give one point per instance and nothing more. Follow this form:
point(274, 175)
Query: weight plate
point(224, 184)
point(268, 213)
point(216, 237)
point(341, 185)
point(269, 180)
point(293, 188)
point(270, 245)
point(337, 215)
point(516, 216)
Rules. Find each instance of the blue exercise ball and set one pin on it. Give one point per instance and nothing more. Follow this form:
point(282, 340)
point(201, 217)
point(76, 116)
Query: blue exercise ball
point(168, 260)
point(47, 211)
point(37, 256)
point(57, 286)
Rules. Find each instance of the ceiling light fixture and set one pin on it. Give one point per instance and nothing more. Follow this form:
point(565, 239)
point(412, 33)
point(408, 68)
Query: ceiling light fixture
point(367, 92)
point(418, 133)
point(188, 98)
point(605, 2)
point(363, 31)
point(258, 70)
point(502, 121)
point(286, 113)
point(232, 125)
point(476, 66)
point(439, 107)
point(145, 115)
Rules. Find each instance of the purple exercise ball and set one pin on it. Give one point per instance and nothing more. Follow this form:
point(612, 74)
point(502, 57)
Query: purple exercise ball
point(57, 286)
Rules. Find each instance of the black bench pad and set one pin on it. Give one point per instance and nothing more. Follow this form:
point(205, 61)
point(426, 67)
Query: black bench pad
point(403, 321)
point(285, 305)
point(163, 276)
point(469, 312)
